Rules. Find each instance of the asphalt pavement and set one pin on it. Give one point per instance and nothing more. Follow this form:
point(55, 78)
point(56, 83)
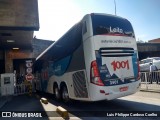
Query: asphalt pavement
point(13, 103)
point(144, 92)
point(4, 100)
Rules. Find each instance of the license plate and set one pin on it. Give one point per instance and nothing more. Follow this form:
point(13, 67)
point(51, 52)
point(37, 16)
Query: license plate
point(123, 89)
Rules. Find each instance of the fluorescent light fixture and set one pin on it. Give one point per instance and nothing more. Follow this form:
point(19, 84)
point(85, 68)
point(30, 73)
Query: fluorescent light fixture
point(15, 48)
point(10, 41)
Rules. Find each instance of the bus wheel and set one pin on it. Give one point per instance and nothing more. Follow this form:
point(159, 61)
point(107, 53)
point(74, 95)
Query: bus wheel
point(57, 93)
point(65, 95)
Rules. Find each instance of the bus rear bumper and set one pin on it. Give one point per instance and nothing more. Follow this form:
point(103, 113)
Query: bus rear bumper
point(110, 92)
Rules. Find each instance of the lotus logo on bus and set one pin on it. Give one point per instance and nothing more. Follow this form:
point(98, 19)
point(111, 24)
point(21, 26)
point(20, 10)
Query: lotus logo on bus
point(116, 30)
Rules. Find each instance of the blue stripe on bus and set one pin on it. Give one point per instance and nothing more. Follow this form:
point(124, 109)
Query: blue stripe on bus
point(135, 66)
point(60, 67)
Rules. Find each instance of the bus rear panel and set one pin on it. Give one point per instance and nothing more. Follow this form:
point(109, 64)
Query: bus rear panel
point(114, 70)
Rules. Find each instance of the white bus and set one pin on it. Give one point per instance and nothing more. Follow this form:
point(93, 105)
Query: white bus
point(97, 59)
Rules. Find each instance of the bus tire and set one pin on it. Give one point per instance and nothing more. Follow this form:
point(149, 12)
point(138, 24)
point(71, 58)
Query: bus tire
point(65, 95)
point(57, 93)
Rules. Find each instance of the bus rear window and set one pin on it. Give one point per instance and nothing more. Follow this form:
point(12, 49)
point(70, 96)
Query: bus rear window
point(103, 24)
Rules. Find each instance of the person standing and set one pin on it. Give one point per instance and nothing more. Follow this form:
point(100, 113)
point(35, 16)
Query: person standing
point(151, 70)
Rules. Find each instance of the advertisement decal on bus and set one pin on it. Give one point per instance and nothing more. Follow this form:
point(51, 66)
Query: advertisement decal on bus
point(118, 71)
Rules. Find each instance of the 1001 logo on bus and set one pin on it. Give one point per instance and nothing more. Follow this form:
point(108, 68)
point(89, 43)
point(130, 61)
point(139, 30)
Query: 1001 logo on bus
point(117, 65)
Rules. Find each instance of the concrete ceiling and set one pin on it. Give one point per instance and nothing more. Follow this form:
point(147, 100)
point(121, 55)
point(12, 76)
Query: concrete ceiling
point(18, 20)
point(15, 39)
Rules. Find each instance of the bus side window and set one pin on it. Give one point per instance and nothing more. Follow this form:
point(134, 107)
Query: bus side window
point(84, 28)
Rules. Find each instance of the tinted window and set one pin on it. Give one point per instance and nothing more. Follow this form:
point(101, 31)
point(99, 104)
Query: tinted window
point(84, 28)
point(6, 80)
point(157, 58)
point(149, 60)
point(66, 45)
point(141, 62)
point(145, 61)
point(103, 24)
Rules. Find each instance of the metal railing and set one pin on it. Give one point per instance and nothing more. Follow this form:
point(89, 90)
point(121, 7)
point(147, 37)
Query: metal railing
point(22, 89)
point(150, 80)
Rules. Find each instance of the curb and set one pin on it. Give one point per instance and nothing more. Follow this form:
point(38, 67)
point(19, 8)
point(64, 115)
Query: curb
point(62, 112)
point(154, 91)
point(44, 100)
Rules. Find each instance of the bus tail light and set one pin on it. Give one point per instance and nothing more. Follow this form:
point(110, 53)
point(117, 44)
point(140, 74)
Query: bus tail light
point(138, 77)
point(94, 74)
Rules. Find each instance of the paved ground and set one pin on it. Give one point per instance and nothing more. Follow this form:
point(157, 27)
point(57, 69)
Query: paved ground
point(4, 100)
point(25, 104)
point(140, 101)
point(147, 94)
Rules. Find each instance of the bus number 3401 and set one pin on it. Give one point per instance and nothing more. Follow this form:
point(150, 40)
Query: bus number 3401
point(117, 65)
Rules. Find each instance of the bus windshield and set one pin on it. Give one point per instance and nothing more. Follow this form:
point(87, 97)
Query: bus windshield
point(103, 24)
